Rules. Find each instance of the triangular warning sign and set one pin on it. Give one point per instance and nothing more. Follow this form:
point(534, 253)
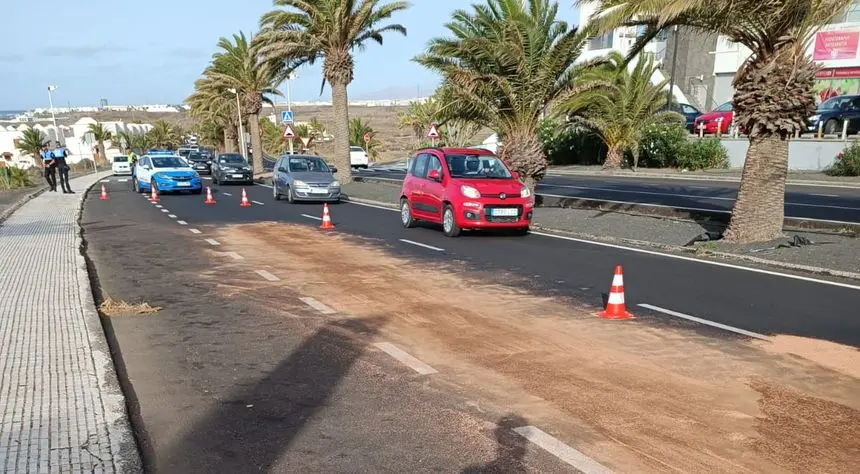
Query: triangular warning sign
point(288, 132)
point(433, 132)
point(306, 140)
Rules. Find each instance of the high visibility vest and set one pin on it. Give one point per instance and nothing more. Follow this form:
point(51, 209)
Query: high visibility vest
point(132, 158)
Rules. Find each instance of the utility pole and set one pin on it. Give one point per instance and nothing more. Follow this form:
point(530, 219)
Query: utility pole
point(672, 73)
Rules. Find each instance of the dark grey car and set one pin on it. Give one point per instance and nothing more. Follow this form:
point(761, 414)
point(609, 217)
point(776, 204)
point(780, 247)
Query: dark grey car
point(231, 168)
point(304, 178)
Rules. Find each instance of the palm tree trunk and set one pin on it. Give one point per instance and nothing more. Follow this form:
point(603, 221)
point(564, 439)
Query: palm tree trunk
point(102, 151)
point(613, 158)
point(230, 136)
point(256, 142)
point(760, 208)
point(523, 153)
point(340, 108)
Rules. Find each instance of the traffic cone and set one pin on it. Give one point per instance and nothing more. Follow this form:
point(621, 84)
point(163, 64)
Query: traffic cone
point(209, 198)
point(104, 196)
point(153, 196)
point(615, 306)
point(245, 201)
point(326, 220)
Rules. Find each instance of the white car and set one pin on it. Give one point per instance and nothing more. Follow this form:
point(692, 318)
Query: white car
point(358, 157)
point(120, 165)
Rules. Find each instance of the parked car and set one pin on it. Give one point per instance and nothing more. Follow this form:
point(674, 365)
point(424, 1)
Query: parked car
point(119, 165)
point(231, 168)
point(711, 119)
point(200, 162)
point(166, 173)
point(834, 112)
point(358, 157)
point(305, 178)
point(689, 112)
point(464, 188)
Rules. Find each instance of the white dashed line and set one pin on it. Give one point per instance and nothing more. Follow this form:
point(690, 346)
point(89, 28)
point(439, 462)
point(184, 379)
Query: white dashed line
point(825, 195)
point(172, 216)
point(234, 256)
point(122, 180)
point(165, 210)
point(194, 231)
point(312, 217)
point(227, 194)
point(405, 358)
point(705, 322)
point(562, 451)
point(181, 222)
point(259, 203)
point(267, 275)
point(422, 245)
point(317, 305)
point(159, 206)
point(213, 242)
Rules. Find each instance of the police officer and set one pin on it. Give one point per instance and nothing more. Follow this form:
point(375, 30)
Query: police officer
point(132, 163)
point(59, 153)
point(50, 168)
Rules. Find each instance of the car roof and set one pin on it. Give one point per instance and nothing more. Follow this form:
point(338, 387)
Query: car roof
point(459, 151)
point(161, 155)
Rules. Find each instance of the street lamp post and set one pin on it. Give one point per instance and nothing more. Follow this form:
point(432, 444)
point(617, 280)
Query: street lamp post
point(672, 73)
point(242, 147)
point(53, 117)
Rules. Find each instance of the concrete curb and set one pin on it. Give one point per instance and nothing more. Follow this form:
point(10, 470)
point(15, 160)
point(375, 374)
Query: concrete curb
point(20, 202)
point(122, 441)
point(729, 179)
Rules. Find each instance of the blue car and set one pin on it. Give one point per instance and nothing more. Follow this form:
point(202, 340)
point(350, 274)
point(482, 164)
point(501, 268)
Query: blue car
point(166, 173)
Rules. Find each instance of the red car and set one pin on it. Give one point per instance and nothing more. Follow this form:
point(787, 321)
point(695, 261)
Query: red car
point(710, 120)
point(464, 188)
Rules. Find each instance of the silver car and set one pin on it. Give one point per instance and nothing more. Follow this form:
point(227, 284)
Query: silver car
point(304, 178)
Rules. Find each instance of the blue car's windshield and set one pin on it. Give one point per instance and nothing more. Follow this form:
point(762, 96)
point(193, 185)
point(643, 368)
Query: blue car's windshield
point(168, 162)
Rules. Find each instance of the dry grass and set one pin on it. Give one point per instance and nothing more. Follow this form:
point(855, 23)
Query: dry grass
point(111, 307)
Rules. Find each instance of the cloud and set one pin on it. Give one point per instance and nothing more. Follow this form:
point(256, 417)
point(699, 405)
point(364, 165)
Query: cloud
point(11, 58)
point(80, 52)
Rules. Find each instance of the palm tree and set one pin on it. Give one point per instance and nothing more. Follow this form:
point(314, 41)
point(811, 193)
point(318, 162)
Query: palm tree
point(237, 68)
point(622, 107)
point(773, 88)
point(306, 31)
point(316, 129)
point(213, 107)
point(419, 116)
point(506, 63)
point(163, 134)
point(31, 143)
point(100, 134)
point(357, 130)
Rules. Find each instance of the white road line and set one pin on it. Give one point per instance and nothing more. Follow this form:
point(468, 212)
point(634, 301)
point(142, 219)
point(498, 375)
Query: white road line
point(824, 195)
point(194, 231)
point(227, 194)
point(165, 210)
point(213, 242)
point(159, 206)
point(172, 216)
point(264, 185)
point(552, 445)
point(405, 358)
point(422, 245)
point(649, 193)
point(705, 322)
point(668, 255)
point(181, 222)
point(267, 275)
point(122, 180)
point(259, 203)
point(105, 181)
point(236, 256)
point(317, 305)
point(312, 217)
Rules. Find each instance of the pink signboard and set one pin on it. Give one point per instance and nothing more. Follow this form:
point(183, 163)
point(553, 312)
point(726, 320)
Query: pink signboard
point(830, 45)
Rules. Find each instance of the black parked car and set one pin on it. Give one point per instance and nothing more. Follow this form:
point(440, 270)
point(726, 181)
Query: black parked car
point(833, 112)
point(689, 112)
point(231, 168)
point(200, 162)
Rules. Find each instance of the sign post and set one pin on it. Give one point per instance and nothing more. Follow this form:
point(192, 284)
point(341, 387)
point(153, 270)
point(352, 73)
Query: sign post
point(366, 142)
point(433, 134)
point(287, 119)
point(289, 134)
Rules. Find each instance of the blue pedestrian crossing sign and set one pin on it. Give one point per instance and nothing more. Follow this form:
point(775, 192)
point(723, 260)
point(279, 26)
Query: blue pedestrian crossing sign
point(287, 117)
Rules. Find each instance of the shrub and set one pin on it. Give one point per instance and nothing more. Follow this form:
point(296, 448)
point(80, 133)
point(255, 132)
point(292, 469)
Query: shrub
point(661, 145)
point(11, 178)
point(570, 145)
point(703, 154)
point(847, 162)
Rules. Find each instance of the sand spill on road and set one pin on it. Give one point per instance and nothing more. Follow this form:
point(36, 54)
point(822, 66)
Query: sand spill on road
point(641, 398)
point(845, 359)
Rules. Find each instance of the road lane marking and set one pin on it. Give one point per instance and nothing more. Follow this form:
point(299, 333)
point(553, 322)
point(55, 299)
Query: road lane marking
point(213, 242)
point(122, 180)
point(552, 445)
point(312, 217)
point(705, 321)
point(824, 195)
point(422, 245)
point(159, 206)
point(105, 181)
point(267, 275)
point(313, 303)
point(405, 358)
point(264, 185)
point(259, 203)
point(165, 210)
point(235, 256)
point(194, 231)
point(227, 194)
point(181, 222)
point(666, 255)
point(172, 216)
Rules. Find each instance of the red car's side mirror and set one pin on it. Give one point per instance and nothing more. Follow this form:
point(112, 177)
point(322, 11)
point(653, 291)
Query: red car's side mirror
point(434, 175)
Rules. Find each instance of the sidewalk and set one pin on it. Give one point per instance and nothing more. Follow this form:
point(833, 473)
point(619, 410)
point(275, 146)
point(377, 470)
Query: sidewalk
point(61, 407)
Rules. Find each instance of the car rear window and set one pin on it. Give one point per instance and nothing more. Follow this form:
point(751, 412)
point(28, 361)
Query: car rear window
point(120, 159)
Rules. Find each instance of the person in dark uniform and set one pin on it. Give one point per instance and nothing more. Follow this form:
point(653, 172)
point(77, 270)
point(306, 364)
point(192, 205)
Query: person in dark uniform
point(60, 155)
point(50, 168)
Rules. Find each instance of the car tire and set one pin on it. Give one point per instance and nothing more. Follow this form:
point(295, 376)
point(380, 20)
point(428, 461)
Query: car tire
point(406, 214)
point(135, 186)
point(449, 222)
point(290, 198)
point(831, 127)
point(275, 193)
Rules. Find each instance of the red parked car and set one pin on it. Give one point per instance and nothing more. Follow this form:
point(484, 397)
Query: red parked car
point(464, 188)
point(710, 121)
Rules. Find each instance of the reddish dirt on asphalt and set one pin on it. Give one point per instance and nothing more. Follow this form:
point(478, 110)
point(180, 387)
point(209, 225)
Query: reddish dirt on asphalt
point(638, 398)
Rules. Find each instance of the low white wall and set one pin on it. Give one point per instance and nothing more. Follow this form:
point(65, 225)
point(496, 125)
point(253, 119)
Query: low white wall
point(803, 154)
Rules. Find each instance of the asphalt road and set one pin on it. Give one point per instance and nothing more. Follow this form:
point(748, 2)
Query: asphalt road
point(824, 203)
point(757, 301)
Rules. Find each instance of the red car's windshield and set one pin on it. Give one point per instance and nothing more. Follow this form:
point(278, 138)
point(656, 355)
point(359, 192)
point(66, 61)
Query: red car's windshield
point(477, 167)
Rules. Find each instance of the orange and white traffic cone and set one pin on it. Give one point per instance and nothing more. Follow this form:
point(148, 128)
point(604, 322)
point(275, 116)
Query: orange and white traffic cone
point(209, 198)
point(153, 196)
point(245, 202)
point(326, 219)
point(615, 308)
point(104, 195)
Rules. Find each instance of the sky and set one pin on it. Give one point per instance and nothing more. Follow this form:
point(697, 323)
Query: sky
point(152, 51)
